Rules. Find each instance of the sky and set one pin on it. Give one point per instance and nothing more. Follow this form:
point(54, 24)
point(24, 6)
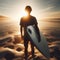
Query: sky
point(40, 8)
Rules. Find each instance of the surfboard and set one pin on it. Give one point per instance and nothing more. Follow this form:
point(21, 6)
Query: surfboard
point(42, 46)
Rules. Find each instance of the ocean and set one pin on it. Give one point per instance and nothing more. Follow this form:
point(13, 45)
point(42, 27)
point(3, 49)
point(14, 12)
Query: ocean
point(51, 31)
point(47, 27)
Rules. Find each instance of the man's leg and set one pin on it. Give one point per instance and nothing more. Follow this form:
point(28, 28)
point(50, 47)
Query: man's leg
point(26, 49)
point(32, 49)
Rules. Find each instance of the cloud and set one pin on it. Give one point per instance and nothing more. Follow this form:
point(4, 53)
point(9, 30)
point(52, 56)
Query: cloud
point(42, 13)
point(54, 14)
point(4, 8)
point(48, 13)
point(3, 17)
point(47, 9)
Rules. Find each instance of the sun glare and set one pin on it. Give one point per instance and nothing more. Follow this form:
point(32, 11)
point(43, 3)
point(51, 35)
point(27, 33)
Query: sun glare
point(23, 13)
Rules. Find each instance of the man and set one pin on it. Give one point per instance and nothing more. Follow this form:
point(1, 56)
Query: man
point(24, 22)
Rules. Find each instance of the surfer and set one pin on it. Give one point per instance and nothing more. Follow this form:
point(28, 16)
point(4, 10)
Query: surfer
point(24, 22)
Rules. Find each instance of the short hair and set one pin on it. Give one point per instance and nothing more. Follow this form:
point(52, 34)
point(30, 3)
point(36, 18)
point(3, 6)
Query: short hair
point(28, 8)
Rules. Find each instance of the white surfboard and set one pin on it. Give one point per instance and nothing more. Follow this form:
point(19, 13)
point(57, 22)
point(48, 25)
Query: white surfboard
point(42, 46)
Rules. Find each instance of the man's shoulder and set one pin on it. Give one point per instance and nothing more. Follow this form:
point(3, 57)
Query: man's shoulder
point(33, 16)
point(22, 17)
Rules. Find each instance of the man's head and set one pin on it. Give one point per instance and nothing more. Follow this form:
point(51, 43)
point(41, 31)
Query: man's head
point(28, 9)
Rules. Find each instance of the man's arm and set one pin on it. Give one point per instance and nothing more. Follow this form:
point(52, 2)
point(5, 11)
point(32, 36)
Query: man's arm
point(21, 26)
point(36, 25)
point(21, 30)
